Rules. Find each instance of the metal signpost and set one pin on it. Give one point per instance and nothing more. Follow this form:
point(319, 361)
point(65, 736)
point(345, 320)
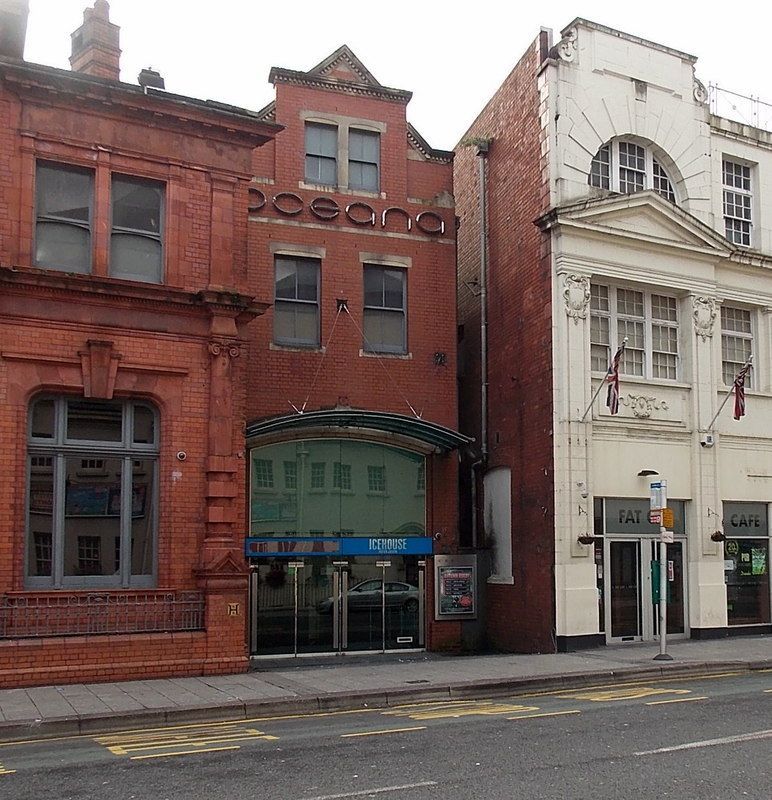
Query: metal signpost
point(661, 514)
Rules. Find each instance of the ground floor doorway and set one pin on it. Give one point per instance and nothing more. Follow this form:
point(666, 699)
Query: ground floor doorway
point(329, 604)
point(630, 587)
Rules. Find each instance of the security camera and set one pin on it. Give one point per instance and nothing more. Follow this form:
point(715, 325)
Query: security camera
point(437, 536)
point(182, 455)
point(707, 440)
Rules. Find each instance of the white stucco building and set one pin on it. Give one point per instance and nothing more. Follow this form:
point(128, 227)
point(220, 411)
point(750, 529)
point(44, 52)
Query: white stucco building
point(656, 225)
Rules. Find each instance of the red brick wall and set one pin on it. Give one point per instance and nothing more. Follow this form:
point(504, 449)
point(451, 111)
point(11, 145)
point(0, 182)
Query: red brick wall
point(519, 617)
point(161, 335)
point(279, 376)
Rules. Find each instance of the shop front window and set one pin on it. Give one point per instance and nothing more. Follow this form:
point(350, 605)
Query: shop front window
point(746, 563)
point(371, 489)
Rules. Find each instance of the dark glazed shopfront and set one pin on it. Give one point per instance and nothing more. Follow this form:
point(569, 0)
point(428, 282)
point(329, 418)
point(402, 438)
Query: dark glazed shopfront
point(338, 542)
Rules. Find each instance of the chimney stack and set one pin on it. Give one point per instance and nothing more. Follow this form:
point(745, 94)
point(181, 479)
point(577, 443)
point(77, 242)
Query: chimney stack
point(13, 27)
point(95, 45)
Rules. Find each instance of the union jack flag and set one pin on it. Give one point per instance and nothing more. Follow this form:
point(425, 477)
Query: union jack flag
point(739, 390)
point(612, 377)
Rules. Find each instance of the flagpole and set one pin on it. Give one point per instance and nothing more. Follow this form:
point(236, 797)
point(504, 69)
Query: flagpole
point(749, 362)
point(600, 386)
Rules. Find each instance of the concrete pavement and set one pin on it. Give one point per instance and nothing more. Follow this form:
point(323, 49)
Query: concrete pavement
point(353, 681)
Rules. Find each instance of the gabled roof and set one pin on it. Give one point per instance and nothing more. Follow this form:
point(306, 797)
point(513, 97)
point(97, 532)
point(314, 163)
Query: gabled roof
point(343, 72)
point(644, 216)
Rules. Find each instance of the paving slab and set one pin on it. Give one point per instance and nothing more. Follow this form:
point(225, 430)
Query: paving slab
point(287, 686)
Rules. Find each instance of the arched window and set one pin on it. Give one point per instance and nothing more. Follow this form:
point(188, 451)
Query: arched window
point(623, 166)
point(92, 489)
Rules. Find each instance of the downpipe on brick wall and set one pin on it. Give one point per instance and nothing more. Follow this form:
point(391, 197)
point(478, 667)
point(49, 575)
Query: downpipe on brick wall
point(482, 165)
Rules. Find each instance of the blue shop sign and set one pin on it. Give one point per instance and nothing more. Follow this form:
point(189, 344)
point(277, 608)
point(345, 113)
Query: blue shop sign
point(303, 546)
point(386, 546)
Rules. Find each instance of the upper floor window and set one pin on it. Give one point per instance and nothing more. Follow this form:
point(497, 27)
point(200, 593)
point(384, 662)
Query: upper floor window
point(64, 197)
point(364, 153)
point(625, 167)
point(65, 214)
point(340, 155)
point(736, 343)
point(135, 243)
point(296, 305)
point(384, 309)
point(321, 154)
point(92, 514)
point(648, 320)
point(738, 199)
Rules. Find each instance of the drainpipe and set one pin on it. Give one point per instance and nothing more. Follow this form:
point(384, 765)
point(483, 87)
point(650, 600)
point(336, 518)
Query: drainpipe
point(482, 156)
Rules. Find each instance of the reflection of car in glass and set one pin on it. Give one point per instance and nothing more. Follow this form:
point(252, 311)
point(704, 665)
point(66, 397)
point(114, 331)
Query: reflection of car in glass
point(367, 594)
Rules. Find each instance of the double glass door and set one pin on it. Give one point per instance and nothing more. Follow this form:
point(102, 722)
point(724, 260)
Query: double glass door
point(631, 583)
point(322, 605)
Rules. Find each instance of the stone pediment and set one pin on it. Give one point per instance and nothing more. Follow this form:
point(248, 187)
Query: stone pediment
point(644, 216)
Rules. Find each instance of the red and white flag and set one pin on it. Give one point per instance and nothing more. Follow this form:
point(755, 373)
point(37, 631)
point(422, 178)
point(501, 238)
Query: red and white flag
point(739, 390)
point(612, 377)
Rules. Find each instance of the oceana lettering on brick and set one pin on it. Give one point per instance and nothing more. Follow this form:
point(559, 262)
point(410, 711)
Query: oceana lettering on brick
point(357, 212)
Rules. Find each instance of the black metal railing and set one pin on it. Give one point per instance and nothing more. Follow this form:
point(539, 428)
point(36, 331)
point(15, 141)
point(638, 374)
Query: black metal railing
point(89, 613)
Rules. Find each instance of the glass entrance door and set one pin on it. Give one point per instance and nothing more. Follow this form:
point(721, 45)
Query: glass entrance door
point(631, 572)
point(625, 606)
point(320, 605)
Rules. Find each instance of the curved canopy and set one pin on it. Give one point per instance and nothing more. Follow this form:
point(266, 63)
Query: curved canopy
point(438, 437)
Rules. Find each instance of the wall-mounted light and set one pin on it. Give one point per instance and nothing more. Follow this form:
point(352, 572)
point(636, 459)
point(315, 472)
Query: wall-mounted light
point(646, 473)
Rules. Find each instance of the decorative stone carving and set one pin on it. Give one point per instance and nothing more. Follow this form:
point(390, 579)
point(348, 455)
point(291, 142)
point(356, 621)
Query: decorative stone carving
point(227, 349)
point(704, 313)
point(576, 294)
point(99, 366)
point(700, 92)
point(643, 405)
point(566, 47)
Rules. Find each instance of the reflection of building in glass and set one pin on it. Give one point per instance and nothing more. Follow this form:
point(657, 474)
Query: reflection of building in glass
point(359, 501)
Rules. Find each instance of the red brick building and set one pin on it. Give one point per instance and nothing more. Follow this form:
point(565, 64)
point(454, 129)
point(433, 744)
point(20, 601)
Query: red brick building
point(125, 289)
point(502, 159)
point(156, 297)
point(351, 404)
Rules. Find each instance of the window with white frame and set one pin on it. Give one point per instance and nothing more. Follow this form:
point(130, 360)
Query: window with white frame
point(736, 343)
point(296, 304)
point(364, 155)
point(648, 320)
point(738, 201)
point(625, 167)
point(290, 474)
point(376, 479)
point(341, 476)
point(384, 309)
point(318, 474)
point(93, 528)
point(262, 473)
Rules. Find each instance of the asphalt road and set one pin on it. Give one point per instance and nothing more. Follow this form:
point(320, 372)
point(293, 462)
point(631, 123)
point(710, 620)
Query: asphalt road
point(696, 738)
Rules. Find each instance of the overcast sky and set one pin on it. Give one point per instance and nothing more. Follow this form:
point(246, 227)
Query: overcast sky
point(452, 55)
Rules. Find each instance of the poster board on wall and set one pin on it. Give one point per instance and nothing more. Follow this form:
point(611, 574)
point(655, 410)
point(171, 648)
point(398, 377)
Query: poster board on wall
point(455, 587)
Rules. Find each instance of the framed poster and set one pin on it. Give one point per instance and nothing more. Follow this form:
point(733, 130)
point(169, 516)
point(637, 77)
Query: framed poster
point(455, 587)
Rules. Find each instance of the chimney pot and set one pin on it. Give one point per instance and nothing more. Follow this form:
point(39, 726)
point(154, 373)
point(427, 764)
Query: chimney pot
point(95, 45)
point(149, 78)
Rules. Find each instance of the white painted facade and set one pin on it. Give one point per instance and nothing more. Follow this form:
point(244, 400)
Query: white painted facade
point(603, 87)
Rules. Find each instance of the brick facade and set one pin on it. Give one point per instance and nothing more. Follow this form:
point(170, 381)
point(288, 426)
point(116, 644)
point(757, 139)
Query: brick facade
point(413, 179)
point(520, 615)
point(175, 344)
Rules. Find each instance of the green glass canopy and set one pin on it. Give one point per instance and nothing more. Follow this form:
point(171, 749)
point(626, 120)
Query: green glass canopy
point(339, 420)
